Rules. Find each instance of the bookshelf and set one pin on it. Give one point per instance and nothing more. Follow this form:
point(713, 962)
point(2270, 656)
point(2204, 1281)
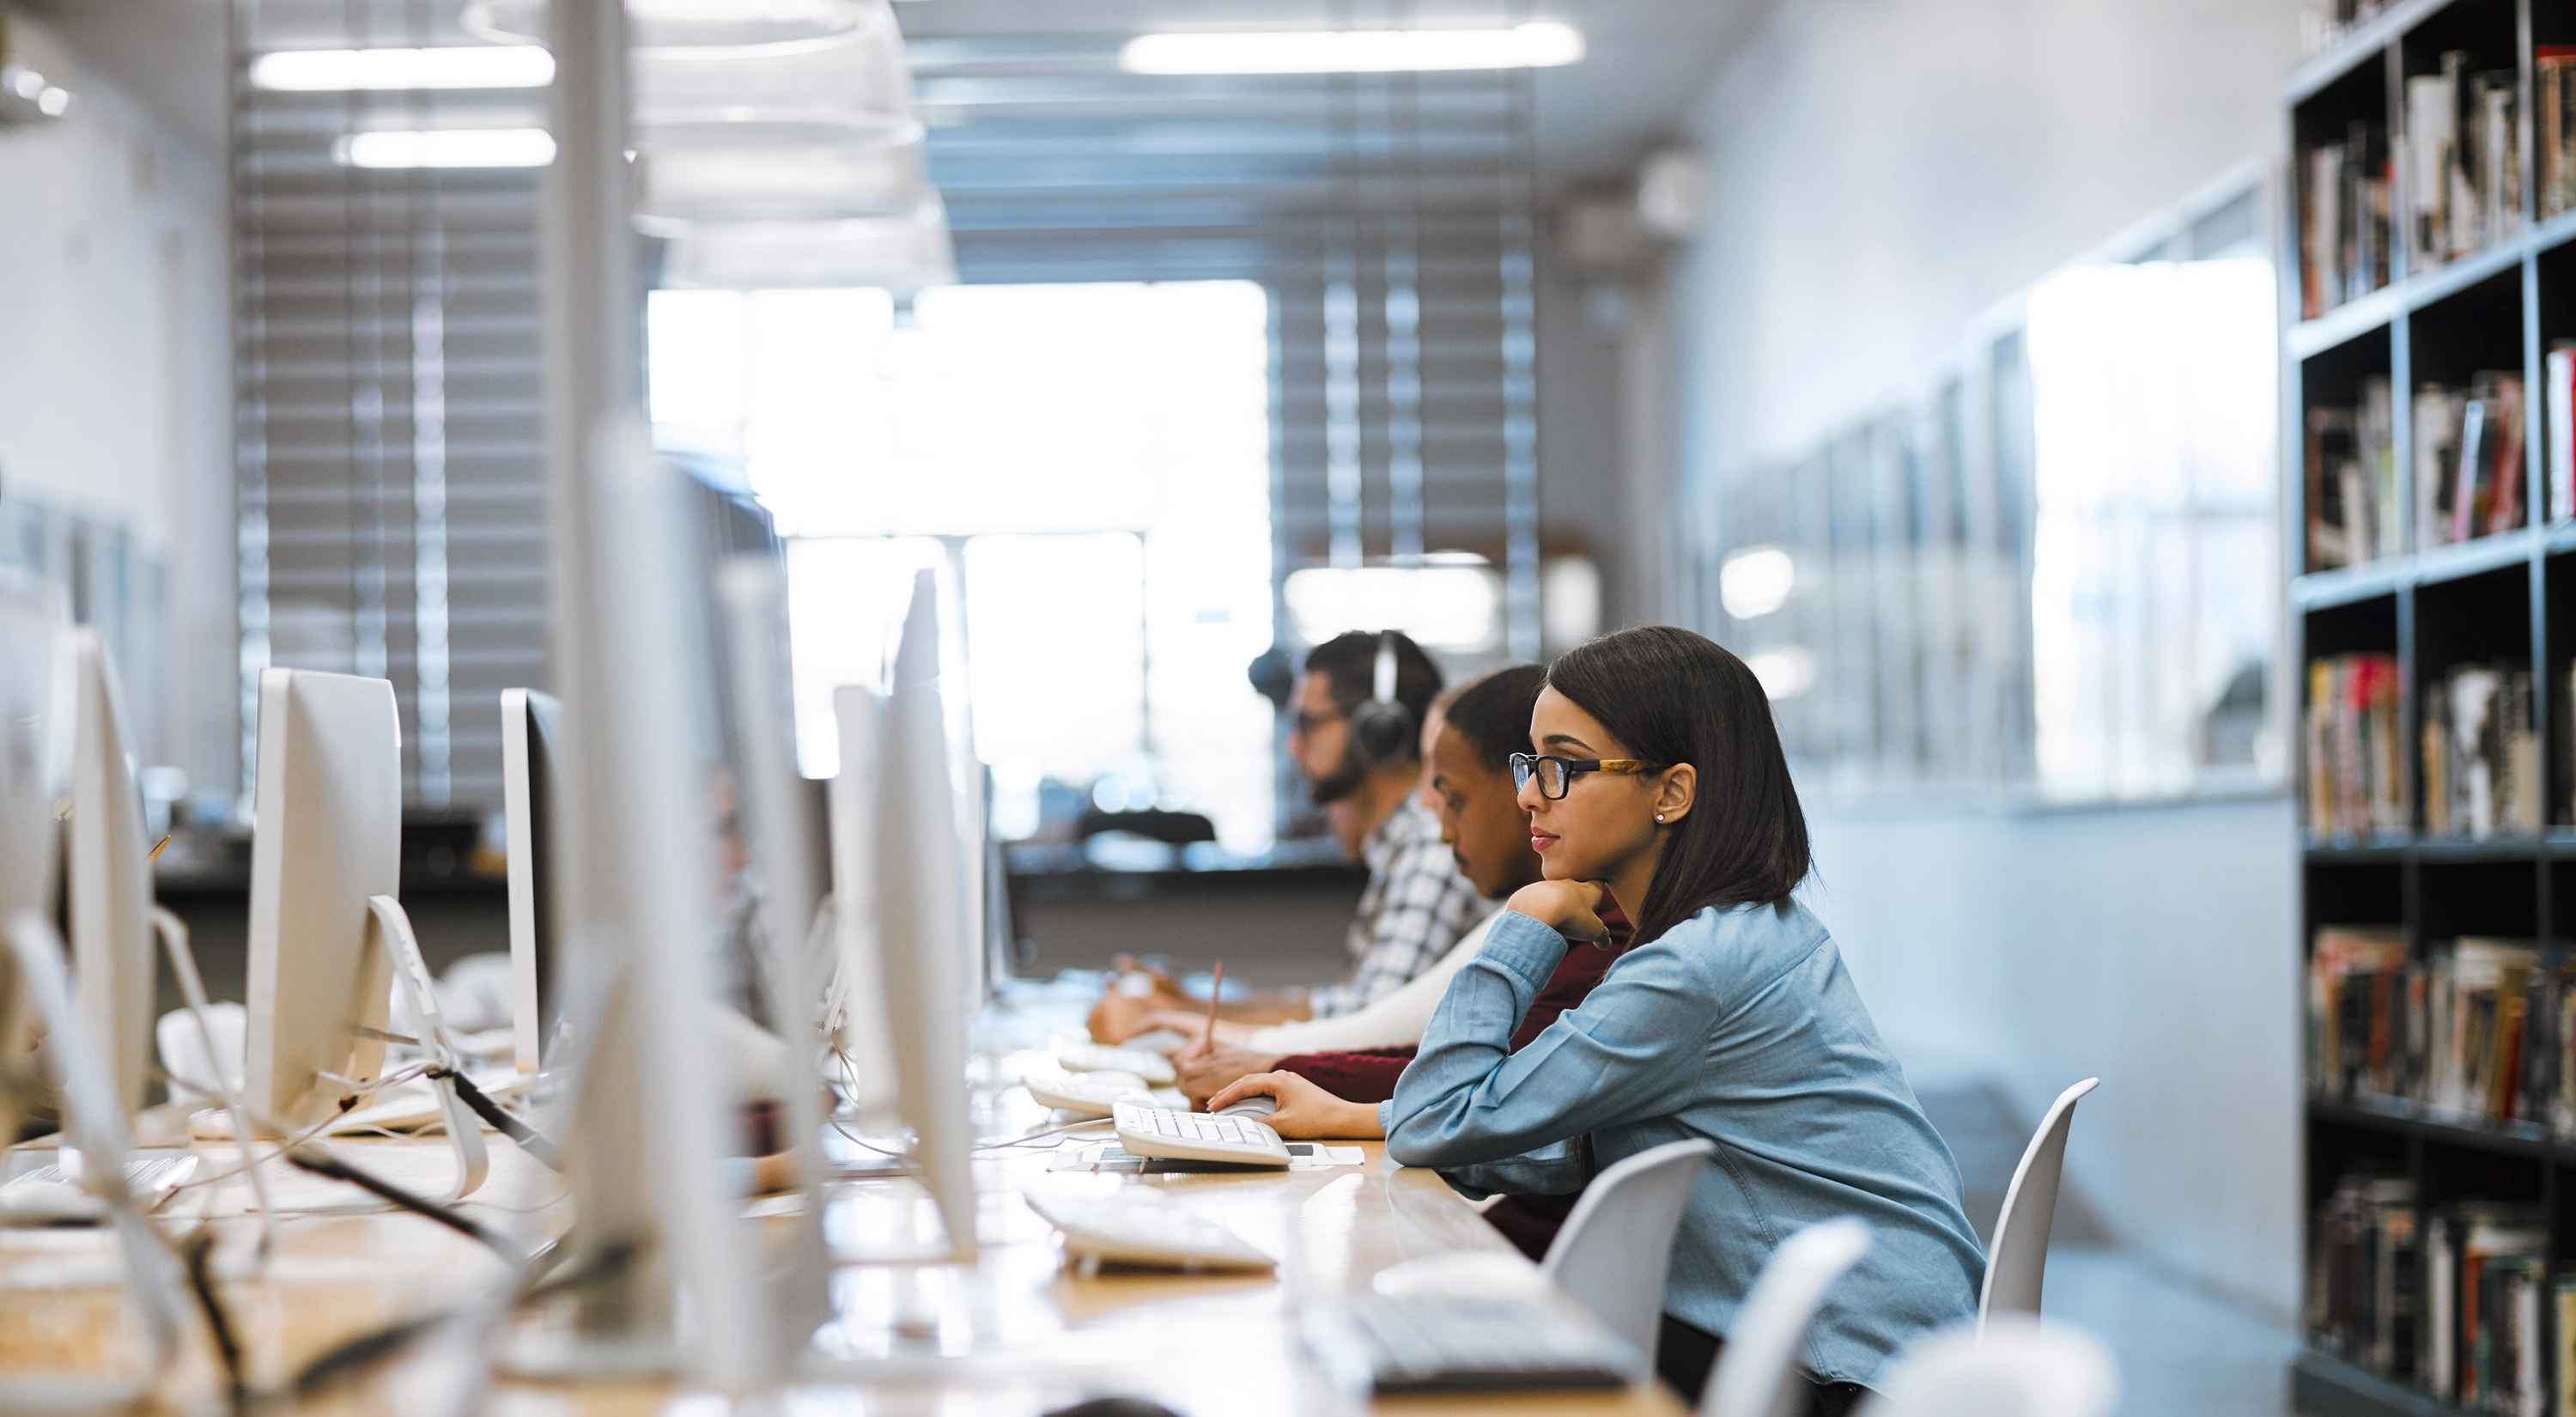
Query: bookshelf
point(2414, 305)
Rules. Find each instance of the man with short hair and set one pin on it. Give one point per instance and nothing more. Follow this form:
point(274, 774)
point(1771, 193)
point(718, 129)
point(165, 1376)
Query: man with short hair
point(1417, 904)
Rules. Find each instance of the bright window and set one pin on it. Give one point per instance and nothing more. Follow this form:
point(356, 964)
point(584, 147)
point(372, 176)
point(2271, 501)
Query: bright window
point(2154, 626)
point(1088, 468)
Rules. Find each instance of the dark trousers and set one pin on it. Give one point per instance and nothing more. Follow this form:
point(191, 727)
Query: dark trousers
point(1684, 1355)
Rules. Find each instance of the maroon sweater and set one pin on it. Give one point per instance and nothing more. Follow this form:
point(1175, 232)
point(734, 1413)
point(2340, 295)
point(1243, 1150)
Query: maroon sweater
point(1370, 1075)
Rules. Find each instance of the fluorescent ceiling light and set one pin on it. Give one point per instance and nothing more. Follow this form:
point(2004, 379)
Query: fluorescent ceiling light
point(1539, 44)
point(1755, 581)
point(447, 147)
point(517, 66)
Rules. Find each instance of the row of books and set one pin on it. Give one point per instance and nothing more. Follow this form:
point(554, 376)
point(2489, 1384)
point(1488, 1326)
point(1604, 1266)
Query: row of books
point(2447, 1297)
point(2478, 1031)
point(2355, 764)
point(2470, 441)
point(2468, 464)
point(2461, 162)
point(2343, 220)
point(2481, 753)
point(2352, 494)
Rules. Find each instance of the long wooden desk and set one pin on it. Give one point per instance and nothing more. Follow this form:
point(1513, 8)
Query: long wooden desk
point(1016, 1333)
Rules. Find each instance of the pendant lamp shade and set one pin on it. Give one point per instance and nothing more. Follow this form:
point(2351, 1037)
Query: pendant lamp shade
point(663, 26)
point(899, 254)
point(690, 178)
point(859, 85)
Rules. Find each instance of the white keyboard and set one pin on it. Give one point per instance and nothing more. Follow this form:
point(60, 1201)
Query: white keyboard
point(1141, 1231)
point(1160, 1132)
point(149, 1179)
point(1089, 1094)
point(1100, 1057)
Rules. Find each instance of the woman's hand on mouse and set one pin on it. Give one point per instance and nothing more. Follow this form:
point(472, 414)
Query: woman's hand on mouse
point(1570, 908)
point(1205, 1071)
point(1306, 1112)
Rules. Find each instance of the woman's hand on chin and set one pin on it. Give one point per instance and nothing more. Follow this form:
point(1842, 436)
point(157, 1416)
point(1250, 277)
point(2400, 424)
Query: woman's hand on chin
point(1306, 1112)
point(1567, 907)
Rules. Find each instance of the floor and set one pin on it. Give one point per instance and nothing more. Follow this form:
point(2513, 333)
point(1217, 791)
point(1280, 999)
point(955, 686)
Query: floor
point(2182, 1353)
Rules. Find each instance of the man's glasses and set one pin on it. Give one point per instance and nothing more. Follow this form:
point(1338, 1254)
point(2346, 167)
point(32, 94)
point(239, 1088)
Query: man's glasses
point(1557, 774)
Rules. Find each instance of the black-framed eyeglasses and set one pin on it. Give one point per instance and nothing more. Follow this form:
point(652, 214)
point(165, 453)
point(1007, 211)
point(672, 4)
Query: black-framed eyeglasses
point(1557, 774)
point(1310, 724)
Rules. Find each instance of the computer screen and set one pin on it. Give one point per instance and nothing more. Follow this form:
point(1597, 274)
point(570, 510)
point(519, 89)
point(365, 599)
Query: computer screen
point(327, 835)
point(531, 795)
point(925, 941)
point(111, 881)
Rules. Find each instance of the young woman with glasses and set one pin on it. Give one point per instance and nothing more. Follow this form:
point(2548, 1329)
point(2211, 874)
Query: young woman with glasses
point(1658, 779)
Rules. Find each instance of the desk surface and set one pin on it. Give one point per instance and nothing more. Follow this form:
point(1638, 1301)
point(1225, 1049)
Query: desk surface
point(1017, 1333)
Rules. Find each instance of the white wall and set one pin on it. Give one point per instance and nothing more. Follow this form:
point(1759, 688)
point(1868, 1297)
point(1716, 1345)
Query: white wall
point(2153, 948)
point(1883, 172)
point(115, 382)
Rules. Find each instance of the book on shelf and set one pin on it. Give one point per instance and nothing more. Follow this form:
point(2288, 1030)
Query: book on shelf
point(2558, 368)
point(2462, 160)
point(2322, 22)
point(2446, 1297)
point(2481, 753)
point(2343, 220)
point(2355, 764)
point(2351, 469)
point(2468, 459)
point(2553, 87)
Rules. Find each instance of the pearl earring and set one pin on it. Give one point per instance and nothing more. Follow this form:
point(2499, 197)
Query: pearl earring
point(1659, 816)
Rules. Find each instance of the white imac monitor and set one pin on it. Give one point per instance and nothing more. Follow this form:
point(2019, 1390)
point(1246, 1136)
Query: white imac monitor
point(111, 879)
point(31, 763)
point(327, 835)
point(924, 940)
point(532, 794)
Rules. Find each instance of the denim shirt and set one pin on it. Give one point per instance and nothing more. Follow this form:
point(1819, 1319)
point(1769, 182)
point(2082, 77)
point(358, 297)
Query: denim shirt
point(1740, 1026)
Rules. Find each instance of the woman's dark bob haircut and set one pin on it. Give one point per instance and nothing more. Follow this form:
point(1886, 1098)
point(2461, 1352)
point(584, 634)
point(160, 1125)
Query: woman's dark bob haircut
point(1670, 696)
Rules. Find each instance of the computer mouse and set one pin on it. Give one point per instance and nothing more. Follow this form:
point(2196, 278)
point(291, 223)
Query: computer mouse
point(1114, 1407)
point(49, 1203)
point(1260, 1104)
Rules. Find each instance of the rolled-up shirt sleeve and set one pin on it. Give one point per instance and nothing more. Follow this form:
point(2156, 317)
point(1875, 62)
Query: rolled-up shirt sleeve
point(1470, 1106)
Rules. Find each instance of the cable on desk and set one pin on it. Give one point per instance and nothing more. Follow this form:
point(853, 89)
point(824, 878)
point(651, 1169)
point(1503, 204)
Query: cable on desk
point(322, 1163)
point(198, 1248)
point(352, 1358)
point(1038, 1136)
point(530, 1140)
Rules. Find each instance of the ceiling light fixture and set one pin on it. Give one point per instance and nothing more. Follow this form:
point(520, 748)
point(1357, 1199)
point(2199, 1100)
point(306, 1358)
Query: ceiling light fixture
point(457, 67)
point(447, 147)
point(1539, 44)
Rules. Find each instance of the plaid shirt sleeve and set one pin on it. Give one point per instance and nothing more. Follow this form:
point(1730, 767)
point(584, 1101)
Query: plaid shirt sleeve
point(1416, 907)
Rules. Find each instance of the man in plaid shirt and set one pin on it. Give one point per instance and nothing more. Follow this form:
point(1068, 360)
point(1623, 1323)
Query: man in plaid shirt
point(1417, 904)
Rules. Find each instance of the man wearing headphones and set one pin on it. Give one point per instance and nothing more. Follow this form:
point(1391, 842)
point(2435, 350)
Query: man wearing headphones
point(1356, 733)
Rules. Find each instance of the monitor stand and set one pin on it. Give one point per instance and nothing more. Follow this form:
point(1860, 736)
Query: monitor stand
point(464, 1129)
point(192, 988)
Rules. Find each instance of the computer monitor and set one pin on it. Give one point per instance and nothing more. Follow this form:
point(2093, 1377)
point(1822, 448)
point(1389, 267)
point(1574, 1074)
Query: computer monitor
point(531, 794)
point(859, 990)
point(111, 880)
point(925, 943)
point(327, 835)
point(30, 776)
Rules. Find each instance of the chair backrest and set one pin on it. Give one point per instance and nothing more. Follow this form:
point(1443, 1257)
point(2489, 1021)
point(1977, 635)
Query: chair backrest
point(1611, 1253)
point(2017, 1260)
point(2011, 1367)
point(1757, 1372)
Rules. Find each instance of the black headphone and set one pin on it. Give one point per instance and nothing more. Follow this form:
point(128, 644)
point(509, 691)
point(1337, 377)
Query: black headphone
point(1382, 729)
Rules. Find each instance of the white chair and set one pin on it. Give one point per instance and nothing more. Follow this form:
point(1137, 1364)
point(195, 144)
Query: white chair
point(2009, 1368)
point(2017, 1260)
point(1612, 1252)
point(1757, 1372)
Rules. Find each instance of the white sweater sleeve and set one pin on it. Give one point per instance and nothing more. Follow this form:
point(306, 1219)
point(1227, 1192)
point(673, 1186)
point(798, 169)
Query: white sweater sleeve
point(1395, 1021)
